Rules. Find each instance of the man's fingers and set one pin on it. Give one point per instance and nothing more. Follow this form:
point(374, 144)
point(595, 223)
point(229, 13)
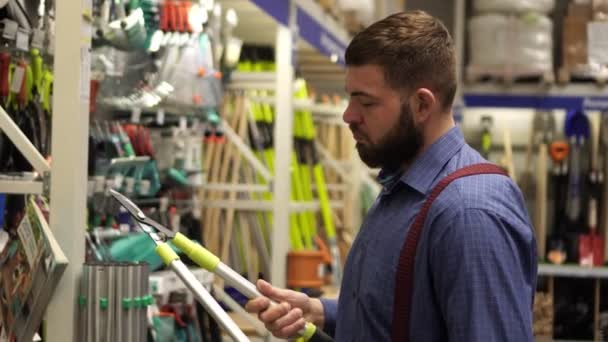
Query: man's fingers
point(292, 330)
point(287, 320)
point(277, 294)
point(274, 312)
point(257, 305)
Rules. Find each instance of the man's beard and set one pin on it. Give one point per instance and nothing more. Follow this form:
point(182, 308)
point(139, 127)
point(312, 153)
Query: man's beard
point(398, 147)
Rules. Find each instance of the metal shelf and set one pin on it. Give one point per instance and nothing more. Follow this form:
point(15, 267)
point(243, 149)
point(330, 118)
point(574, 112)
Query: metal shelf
point(572, 271)
point(536, 96)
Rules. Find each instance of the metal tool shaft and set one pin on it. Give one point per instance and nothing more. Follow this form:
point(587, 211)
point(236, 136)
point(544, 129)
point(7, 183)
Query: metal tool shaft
point(208, 302)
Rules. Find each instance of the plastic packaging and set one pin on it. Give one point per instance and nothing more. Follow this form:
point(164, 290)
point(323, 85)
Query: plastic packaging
point(362, 9)
point(514, 6)
point(518, 44)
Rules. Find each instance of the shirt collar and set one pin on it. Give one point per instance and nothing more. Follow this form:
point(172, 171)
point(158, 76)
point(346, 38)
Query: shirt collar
point(426, 168)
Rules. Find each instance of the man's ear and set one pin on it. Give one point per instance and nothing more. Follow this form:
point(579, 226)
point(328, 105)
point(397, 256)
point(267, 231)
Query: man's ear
point(423, 103)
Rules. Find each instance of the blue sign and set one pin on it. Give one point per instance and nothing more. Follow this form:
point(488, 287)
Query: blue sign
point(537, 101)
point(325, 42)
point(278, 9)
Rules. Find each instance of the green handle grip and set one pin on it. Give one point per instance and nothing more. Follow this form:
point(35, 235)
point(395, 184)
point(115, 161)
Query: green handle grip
point(103, 303)
point(126, 303)
point(312, 334)
point(166, 253)
point(324, 201)
point(47, 86)
point(37, 68)
point(196, 252)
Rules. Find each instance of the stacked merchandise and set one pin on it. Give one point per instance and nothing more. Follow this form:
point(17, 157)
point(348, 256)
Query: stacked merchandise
point(31, 265)
point(156, 92)
point(509, 40)
point(583, 49)
point(306, 176)
point(157, 73)
point(569, 214)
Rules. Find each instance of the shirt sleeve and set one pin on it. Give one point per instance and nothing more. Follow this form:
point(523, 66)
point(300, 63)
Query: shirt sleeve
point(484, 272)
point(330, 312)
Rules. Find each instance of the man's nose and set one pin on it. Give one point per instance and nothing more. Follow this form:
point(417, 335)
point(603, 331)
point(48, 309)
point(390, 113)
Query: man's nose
point(351, 116)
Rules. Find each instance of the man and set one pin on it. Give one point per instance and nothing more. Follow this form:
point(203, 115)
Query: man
point(474, 272)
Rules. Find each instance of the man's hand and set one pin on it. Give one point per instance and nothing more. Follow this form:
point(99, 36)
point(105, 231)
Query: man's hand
point(287, 318)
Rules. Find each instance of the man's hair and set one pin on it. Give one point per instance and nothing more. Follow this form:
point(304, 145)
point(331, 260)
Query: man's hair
point(414, 49)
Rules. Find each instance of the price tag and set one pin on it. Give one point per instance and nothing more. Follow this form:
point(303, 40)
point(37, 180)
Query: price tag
point(90, 187)
point(130, 185)
point(118, 179)
point(195, 123)
point(17, 81)
point(144, 187)
point(135, 115)
point(100, 182)
point(163, 205)
point(10, 29)
point(23, 40)
point(109, 185)
point(160, 117)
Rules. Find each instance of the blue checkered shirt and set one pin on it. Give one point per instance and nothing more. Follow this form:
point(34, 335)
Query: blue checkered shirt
point(475, 268)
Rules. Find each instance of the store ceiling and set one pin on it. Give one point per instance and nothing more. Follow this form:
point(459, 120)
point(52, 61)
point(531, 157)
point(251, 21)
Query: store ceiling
point(256, 27)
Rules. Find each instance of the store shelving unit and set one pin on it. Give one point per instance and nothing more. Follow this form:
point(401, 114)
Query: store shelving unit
point(585, 96)
point(65, 178)
point(70, 150)
point(285, 24)
point(597, 274)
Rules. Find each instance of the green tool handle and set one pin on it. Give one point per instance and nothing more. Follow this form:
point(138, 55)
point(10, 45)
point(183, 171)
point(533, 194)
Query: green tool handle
point(37, 69)
point(324, 201)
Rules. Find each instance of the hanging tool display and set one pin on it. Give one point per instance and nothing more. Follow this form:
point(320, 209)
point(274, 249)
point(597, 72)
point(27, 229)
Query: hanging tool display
point(322, 193)
point(540, 209)
point(25, 84)
point(486, 135)
point(578, 132)
point(161, 235)
point(557, 249)
point(591, 245)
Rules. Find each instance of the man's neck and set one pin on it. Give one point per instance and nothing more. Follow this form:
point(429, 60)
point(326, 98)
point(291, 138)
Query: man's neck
point(435, 129)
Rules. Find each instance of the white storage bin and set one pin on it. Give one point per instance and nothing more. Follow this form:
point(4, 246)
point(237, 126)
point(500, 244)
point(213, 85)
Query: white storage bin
point(510, 45)
point(511, 6)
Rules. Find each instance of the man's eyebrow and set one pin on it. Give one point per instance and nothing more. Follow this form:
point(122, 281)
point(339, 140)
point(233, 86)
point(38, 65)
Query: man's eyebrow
point(361, 93)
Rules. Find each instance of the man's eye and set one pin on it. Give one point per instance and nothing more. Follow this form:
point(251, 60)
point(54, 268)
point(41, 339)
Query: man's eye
point(368, 104)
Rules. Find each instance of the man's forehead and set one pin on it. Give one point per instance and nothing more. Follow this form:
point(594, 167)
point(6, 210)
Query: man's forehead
point(369, 76)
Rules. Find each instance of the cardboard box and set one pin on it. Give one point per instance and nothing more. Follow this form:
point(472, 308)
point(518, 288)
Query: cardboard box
point(574, 42)
point(580, 9)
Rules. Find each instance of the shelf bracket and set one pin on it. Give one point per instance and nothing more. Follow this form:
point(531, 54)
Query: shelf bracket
point(23, 144)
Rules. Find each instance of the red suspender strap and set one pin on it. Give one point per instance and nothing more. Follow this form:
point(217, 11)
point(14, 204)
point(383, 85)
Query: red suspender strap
point(404, 279)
